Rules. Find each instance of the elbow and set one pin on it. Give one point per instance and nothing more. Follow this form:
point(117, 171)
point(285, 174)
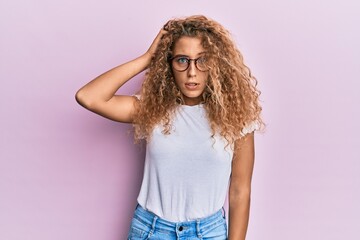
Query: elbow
point(239, 200)
point(243, 194)
point(79, 97)
point(83, 99)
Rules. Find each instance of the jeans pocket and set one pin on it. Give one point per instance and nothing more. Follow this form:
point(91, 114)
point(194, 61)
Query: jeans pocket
point(138, 230)
point(216, 232)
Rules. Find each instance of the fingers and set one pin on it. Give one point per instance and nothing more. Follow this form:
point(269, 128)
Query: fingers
point(160, 34)
point(166, 25)
point(156, 41)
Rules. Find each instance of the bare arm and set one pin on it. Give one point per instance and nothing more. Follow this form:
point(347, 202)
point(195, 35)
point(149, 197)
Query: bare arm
point(99, 95)
point(240, 187)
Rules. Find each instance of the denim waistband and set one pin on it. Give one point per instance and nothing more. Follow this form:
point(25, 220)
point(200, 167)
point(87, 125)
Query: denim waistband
point(197, 226)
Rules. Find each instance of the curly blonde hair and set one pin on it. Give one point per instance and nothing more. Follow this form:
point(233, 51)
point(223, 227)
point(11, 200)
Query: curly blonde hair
point(230, 98)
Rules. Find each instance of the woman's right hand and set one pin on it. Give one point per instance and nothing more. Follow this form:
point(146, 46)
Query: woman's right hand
point(155, 43)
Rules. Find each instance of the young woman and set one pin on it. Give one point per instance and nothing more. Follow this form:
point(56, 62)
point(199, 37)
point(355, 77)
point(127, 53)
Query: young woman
point(197, 110)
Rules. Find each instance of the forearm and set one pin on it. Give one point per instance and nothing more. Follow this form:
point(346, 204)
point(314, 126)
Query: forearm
point(104, 87)
point(239, 210)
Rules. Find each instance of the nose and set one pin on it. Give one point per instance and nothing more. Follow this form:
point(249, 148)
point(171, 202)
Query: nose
point(192, 69)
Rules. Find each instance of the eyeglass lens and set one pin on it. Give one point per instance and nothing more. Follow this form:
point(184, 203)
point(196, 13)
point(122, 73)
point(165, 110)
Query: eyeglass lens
point(182, 63)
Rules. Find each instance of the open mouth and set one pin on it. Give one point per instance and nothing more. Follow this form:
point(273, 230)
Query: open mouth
point(191, 84)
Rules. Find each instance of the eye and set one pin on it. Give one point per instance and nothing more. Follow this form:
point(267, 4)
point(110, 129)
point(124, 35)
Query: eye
point(182, 60)
point(201, 60)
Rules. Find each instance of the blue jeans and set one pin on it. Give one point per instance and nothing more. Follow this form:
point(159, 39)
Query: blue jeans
point(147, 225)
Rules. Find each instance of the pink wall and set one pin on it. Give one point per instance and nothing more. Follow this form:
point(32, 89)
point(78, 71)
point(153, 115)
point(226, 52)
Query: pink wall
point(66, 173)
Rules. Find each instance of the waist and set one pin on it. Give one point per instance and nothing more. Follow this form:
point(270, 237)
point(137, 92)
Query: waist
point(196, 226)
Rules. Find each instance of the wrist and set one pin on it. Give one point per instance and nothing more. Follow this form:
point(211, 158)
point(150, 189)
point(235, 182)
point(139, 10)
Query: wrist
point(147, 56)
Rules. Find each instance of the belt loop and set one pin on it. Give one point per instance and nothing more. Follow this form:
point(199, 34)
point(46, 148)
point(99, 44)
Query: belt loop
point(198, 228)
point(177, 232)
point(152, 227)
point(224, 216)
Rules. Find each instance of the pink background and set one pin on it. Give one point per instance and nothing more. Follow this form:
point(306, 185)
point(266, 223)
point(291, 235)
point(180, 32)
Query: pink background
point(66, 173)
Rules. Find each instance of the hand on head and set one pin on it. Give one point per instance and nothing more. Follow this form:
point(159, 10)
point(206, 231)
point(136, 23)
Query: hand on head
point(155, 43)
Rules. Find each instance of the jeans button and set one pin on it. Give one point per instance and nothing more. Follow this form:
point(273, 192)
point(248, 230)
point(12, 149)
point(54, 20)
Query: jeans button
point(181, 228)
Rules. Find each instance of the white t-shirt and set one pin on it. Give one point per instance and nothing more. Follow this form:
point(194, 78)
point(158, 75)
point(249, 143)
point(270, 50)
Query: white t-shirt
point(186, 173)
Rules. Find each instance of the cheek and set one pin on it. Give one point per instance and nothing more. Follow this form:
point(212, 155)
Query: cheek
point(205, 77)
point(179, 77)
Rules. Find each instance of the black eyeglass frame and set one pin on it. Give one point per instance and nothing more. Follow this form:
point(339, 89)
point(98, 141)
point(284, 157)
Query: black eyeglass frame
point(188, 62)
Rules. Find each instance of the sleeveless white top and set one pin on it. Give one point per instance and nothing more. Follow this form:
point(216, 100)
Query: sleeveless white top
point(186, 173)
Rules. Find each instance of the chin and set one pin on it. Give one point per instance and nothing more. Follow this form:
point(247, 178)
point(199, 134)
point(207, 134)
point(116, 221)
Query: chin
point(193, 98)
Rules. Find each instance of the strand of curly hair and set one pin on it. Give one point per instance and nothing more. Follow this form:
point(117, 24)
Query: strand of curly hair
point(231, 98)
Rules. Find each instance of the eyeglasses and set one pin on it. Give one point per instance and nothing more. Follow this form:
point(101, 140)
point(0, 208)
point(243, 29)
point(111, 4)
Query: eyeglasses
point(182, 63)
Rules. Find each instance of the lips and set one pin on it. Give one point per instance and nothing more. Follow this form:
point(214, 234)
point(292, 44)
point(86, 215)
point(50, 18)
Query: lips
point(191, 85)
